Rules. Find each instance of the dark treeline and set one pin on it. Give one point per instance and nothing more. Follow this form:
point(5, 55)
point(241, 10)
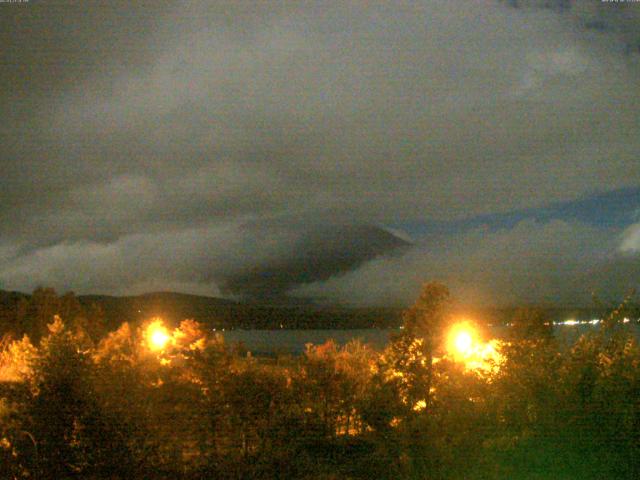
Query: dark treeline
point(148, 401)
point(107, 312)
point(212, 312)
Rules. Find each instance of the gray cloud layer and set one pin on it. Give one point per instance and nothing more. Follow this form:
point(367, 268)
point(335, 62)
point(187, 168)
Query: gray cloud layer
point(187, 143)
point(556, 261)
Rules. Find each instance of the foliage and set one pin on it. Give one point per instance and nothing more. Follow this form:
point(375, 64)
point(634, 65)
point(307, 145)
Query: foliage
point(190, 406)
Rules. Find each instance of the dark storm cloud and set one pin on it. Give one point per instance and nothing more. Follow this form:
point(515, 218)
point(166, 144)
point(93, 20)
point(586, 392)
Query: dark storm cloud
point(316, 256)
point(206, 144)
point(265, 261)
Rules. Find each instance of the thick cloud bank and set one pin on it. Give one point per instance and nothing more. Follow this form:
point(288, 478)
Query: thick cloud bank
point(210, 146)
point(556, 261)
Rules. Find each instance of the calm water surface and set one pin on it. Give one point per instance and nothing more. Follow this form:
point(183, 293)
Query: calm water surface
point(294, 341)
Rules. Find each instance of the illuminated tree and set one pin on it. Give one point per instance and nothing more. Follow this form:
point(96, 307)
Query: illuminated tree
point(323, 384)
point(74, 434)
point(425, 318)
point(411, 353)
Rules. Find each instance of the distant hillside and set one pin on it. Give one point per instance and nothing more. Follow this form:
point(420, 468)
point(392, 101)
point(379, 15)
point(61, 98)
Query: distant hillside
point(213, 312)
point(221, 313)
point(8, 305)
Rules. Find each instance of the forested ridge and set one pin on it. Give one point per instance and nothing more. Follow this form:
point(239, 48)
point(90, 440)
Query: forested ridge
point(210, 311)
point(110, 311)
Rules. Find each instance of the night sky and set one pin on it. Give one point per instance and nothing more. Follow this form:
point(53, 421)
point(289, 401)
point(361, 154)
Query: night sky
point(346, 151)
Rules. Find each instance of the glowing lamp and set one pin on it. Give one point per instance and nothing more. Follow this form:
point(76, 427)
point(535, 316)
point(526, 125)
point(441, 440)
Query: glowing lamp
point(463, 342)
point(159, 339)
point(157, 335)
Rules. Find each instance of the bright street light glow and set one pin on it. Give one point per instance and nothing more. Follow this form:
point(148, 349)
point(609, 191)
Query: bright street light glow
point(463, 342)
point(157, 335)
point(465, 345)
point(159, 339)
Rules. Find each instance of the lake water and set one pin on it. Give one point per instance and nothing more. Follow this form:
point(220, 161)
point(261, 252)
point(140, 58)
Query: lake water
point(294, 341)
